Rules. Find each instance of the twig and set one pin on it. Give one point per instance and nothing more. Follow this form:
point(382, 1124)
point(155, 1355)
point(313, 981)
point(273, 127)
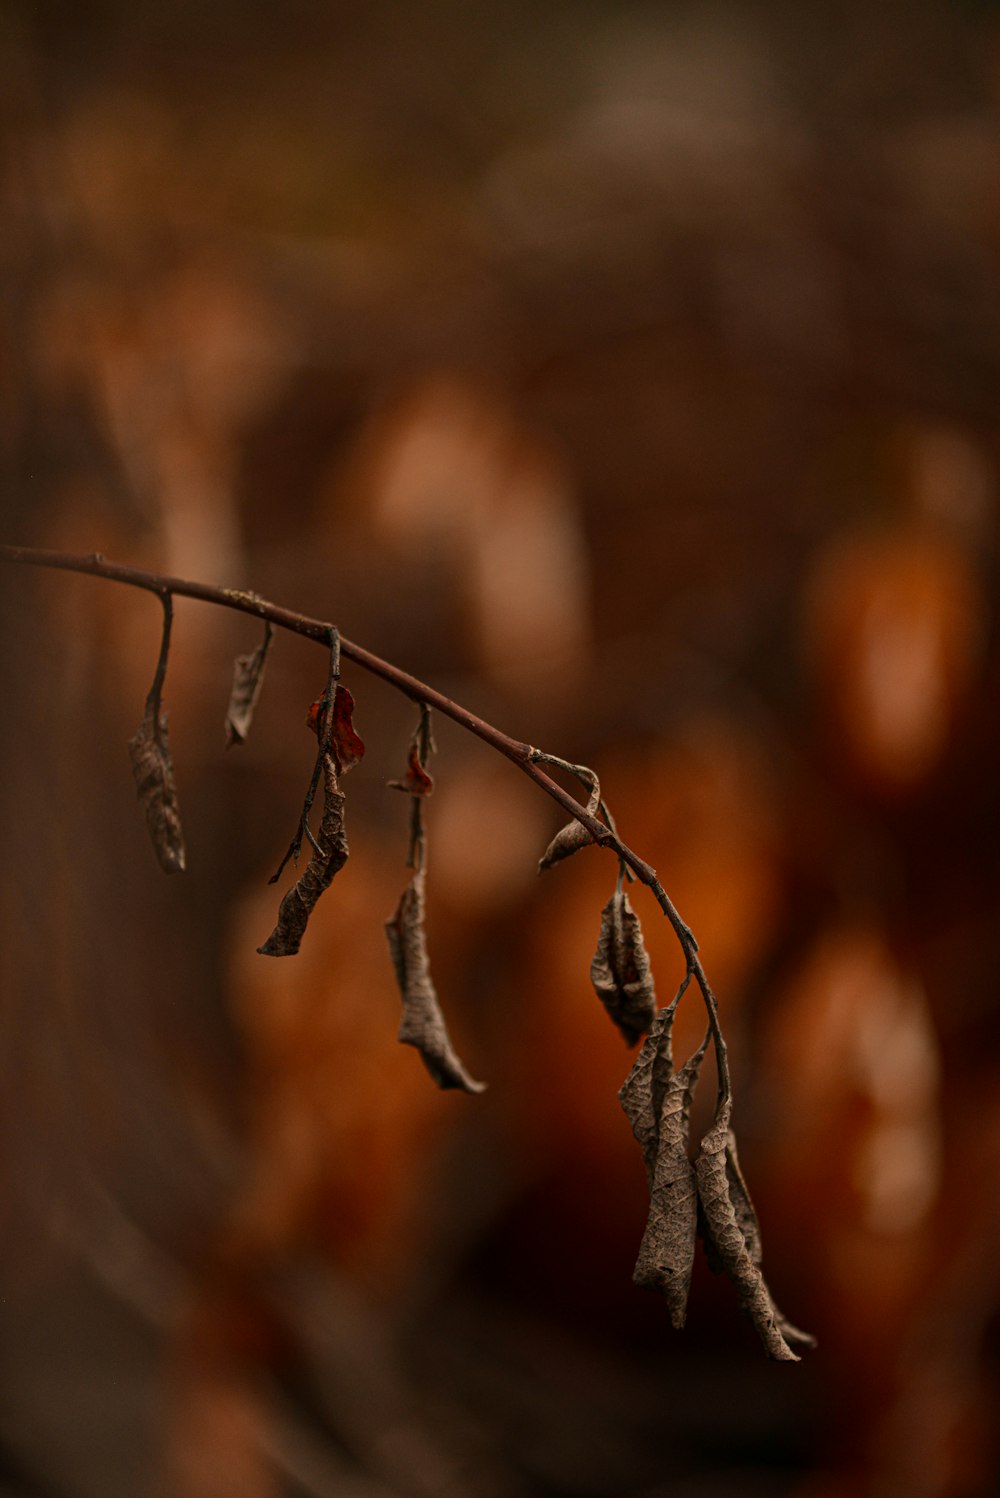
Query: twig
point(523, 755)
point(155, 693)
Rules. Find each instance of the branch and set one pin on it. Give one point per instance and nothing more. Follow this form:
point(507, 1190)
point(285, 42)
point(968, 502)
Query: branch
point(523, 755)
point(706, 1195)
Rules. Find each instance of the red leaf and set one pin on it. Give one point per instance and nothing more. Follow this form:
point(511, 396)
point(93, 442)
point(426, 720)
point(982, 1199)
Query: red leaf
point(312, 716)
point(347, 747)
point(418, 781)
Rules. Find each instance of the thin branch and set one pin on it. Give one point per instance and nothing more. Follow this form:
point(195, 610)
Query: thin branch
point(155, 693)
point(523, 755)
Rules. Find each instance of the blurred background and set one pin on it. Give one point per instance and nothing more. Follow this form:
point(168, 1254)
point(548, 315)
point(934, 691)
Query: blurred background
point(629, 371)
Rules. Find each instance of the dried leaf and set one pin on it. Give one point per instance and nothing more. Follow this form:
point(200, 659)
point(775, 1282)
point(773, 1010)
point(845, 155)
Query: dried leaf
point(642, 1090)
point(657, 1103)
point(746, 1218)
point(300, 901)
point(418, 780)
point(348, 747)
point(154, 780)
point(345, 744)
point(423, 1023)
point(725, 1235)
point(248, 678)
point(743, 1207)
point(620, 970)
point(666, 1253)
point(574, 836)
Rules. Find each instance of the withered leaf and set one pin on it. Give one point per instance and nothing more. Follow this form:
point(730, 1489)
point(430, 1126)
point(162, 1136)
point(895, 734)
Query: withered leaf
point(725, 1235)
point(299, 902)
point(657, 1103)
point(248, 678)
point(423, 1023)
point(346, 745)
point(620, 970)
point(418, 780)
point(743, 1207)
point(574, 836)
point(154, 781)
point(666, 1253)
point(642, 1090)
point(746, 1218)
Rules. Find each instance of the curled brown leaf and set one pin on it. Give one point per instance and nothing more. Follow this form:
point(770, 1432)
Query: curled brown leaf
point(719, 1180)
point(248, 678)
point(746, 1218)
point(326, 861)
point(666, 1253)
point(657, 1103)
point(620, 971)
point(423, 1023)
point(636, 1094)
point(153, 769)
point(574, 836)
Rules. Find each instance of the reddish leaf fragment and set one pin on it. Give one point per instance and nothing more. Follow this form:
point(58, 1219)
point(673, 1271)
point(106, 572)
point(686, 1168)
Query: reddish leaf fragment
point(346, 745)
point(716, 1171)
point(248, 678)
point(418, 780)
point(574, 836)
point(620, 970)
point(314, 715)
point(154, 781)
point(300, 901)
point(423, 1023)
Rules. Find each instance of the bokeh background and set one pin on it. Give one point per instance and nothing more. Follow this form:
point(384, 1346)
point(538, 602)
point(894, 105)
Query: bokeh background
point(630, 372)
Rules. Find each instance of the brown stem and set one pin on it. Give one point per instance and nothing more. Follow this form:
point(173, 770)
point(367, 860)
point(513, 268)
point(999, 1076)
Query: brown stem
point(523, 755)
point(156, 690)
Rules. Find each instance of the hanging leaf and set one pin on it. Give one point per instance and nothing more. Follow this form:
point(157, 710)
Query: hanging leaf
point(666, 1253)
point(638, 1094)
point(574, 836)
point(348, 747)
point(418, 780)
point(726, 1239)
point(746, 1219)
point(620, 971)
point(345, 744)
point(154, 781)
point(743, 1207)
point(423, 1023)
point(248, 678)
point(657, 1103)
point(327, 860)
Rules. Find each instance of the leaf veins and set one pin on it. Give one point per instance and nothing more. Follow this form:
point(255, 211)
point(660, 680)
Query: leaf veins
point(328, 857)
point(732, 1236)
point(657, 1103)
point(154, 780)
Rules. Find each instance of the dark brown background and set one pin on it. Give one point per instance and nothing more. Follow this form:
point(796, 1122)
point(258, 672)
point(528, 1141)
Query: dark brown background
point(630, 372)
